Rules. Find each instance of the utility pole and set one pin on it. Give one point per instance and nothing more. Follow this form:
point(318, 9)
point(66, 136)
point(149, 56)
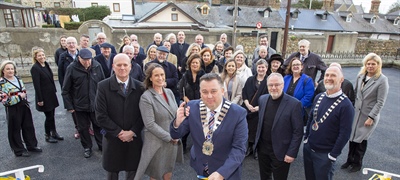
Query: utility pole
point(285, 34)
point(235, 14)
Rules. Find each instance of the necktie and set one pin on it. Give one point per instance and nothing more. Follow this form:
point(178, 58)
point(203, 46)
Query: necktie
point(122, 86)
point(302, 59)
point(211, 121)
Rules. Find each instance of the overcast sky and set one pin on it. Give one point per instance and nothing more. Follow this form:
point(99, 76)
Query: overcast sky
point(383, 8)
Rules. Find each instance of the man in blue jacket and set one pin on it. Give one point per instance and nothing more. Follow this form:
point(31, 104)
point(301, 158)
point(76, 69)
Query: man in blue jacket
point(218, 128)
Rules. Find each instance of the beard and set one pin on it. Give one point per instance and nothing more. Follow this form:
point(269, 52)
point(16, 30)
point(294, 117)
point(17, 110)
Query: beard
point(275, 95)
point(329, 86)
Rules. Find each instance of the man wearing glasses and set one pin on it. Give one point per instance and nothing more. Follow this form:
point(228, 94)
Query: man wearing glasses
point(102, 38)
point(279, 131)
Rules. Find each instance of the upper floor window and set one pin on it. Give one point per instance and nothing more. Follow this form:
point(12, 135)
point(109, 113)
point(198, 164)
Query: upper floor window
point(396, 21)
point(57, 4)
point(204, 11)
point(373, 20)
point(349, 18)
point(95, 4)
point(267, 13)
point(174, 17)
point(38, 4)
point(116, 7)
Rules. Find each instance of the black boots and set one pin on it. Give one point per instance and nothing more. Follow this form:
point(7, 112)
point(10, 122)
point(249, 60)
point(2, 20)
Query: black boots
point(50, 139)
point(56, 136)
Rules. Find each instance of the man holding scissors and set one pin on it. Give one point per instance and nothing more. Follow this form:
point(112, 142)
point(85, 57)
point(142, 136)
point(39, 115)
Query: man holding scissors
point(219, 131)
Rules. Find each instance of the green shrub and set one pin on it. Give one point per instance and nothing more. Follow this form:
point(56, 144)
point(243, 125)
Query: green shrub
point(72, 25)
point(84, 14)
point(48, 26)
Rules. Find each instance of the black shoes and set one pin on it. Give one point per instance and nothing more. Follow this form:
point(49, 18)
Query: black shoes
point(50, 139)
point(256, 155)
point(23, 154)
point(249, 151)
point(56, 136)
point(355, 168)
point(34, 149)
point(87, 153)
point(345, 165)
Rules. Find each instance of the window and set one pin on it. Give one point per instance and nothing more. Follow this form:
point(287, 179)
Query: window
point(116, 7)
point(266, 13)
point(95, 4)
point(349, 17)
point(204, 11)
point(373, 20)
point(173, 9)
point(396, 21)
point(56, 4)
point(174, 17)
point(38, 4)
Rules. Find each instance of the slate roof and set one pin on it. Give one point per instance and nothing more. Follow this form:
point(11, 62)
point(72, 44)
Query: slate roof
point(361, 23)
point(309, 20)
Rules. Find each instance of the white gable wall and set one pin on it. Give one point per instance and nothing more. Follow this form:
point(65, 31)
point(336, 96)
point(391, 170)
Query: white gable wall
point(165, 16)
point(124, 5)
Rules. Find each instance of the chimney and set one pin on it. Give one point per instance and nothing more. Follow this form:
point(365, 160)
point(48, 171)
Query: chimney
point(375, 6)
point(329, 5)
point(215, 2)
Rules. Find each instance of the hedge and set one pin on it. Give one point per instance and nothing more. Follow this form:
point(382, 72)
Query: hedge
point(72, 25)
point(84, 14)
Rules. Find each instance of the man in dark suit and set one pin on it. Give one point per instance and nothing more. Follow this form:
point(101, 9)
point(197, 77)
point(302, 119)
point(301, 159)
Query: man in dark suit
point(179, 49)
point(218, 129)
point(118, 113)
point(102, 38)
point(279, 131)
point(138, 57)
point(105, 59)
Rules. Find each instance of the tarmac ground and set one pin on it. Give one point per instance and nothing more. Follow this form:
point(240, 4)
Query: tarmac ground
point(64, 160)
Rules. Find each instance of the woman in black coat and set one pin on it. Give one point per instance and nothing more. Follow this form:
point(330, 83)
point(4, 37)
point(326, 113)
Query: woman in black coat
point(254, 87)
point(45, 94)
point(189, 85)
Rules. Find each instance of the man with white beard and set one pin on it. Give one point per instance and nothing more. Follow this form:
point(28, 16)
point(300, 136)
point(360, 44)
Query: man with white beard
point(328, 128)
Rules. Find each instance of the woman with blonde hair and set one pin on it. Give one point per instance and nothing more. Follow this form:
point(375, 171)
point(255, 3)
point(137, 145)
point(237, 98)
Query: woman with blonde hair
point(372, 88)
point(18, 113)
point(193, 48)
point(45, 93)
point(151, 56)
point(243, 71)
point(126, 40)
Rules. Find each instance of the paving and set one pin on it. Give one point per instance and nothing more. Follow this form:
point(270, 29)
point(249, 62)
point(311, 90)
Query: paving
point(64, 160)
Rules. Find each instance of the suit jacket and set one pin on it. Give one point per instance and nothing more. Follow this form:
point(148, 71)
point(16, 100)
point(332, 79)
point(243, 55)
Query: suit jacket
point(157, 116)
point(139, 59)
point(115, 112)
point(287, 129)
point(369, 102)
point(102, 60)
point(180, 54)
point(45, 88)
point(229, 141)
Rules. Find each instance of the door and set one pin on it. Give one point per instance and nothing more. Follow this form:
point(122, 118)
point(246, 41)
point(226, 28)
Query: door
point(274, 40)
point(331, 39)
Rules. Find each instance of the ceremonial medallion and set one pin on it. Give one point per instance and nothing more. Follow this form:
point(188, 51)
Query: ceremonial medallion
point(315, 126)
point(208, 147)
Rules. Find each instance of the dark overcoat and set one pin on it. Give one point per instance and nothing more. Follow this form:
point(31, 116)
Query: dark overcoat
point(45, 88)
point(115, 112)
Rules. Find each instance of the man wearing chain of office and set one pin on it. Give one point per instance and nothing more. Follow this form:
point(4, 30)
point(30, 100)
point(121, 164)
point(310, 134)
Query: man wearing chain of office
point(218, 128)
point(328, 128)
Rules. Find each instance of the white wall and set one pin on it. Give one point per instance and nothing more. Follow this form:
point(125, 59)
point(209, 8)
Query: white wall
point(124, 5)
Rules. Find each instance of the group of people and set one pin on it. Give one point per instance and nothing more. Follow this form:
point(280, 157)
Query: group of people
point(140, 107)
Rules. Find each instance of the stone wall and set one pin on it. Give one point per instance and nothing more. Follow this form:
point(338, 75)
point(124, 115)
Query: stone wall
point(365, 45)
point(47, 3)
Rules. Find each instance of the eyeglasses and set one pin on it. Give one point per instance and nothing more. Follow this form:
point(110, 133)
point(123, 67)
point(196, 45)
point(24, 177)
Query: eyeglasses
point(71, 42)
point(276, 85)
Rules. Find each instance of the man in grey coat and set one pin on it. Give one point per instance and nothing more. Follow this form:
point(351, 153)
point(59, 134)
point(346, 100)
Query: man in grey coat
point(117, 112)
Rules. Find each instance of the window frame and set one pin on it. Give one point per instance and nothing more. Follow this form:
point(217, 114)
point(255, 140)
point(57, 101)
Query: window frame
point(172, 17)
point(59, 5)
point(119, 7)
point(94, 4)
point(36, 4)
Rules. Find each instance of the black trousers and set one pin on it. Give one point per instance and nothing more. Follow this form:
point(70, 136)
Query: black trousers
point(49, 123)
point(83, 121)
point(19, 118)
point(356, 153)
point(129, 175)
point(75, 120)
point(270, 165)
